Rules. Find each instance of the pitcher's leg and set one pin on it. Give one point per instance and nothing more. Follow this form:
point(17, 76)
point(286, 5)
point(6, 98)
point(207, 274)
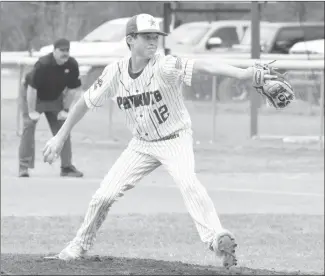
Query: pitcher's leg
point(130, 167)
point(181, 165)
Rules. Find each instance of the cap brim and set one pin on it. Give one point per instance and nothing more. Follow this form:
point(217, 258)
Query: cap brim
point(63, 48)
point(152, 31)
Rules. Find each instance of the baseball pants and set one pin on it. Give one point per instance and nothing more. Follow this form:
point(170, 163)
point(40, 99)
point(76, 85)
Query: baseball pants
point(27, 141)
point(139, 159)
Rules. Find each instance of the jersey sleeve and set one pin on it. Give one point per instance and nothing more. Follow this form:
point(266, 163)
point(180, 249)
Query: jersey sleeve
point(177, 69)
point(103, 88)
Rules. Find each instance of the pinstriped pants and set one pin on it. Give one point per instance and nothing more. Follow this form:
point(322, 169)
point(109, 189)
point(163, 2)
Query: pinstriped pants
point(139, 159)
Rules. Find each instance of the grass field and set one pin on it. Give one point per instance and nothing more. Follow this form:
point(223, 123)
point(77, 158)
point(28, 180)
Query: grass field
point(270, 194)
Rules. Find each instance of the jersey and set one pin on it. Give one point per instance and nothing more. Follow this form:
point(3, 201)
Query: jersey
point(154, 109)
point(153, 103)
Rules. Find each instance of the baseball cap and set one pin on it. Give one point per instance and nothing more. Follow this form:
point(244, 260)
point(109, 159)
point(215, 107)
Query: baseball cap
point(62, 43)
point(143, 23)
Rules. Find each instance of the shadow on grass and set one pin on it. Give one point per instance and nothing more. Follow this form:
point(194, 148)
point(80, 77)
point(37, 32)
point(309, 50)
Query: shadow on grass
point(21, 264)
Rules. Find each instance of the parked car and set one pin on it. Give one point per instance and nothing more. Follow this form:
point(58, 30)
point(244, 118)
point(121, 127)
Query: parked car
point(279, 37)
point(108, 40)
point(203, 36)
point(308, 47)
point(275, 38)
point(310, 93)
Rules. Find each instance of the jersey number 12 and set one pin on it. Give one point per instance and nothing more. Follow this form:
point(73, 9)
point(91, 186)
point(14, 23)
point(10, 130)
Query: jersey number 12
point(161, 113)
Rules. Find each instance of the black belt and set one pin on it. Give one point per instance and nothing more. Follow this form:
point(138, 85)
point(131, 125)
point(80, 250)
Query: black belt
point(169, 137)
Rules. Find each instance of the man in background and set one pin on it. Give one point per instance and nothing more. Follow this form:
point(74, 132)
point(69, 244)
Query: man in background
point(50, 88)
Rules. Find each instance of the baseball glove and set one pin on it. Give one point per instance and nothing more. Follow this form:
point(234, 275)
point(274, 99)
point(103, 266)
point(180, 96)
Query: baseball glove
point(272, 85)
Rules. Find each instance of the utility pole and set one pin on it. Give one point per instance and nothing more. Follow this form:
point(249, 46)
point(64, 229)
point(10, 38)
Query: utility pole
point(167, 20)
point(255, 54)
point(63, 7)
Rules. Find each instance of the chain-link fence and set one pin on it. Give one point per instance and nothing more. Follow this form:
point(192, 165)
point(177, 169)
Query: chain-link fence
point(220, 107)
point(215, 100)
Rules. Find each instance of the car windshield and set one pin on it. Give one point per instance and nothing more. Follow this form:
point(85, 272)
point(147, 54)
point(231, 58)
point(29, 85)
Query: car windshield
point(108, 32)
point(266, 34)
point(188, 34)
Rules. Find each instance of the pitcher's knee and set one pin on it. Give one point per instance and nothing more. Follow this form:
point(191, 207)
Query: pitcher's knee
point(107, 197)
point(192, 185)
point(187, 182)
point(100, 199)
point(101, 204)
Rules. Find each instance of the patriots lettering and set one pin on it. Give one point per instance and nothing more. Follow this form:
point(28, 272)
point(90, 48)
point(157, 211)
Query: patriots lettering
point(143, 99)
point(157, 96)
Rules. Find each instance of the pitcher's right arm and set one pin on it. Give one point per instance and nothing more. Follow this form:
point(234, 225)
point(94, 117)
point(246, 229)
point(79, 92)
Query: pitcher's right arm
point(99, 91)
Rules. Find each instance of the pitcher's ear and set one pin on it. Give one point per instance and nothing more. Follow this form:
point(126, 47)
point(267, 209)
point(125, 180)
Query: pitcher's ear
point(130, 39)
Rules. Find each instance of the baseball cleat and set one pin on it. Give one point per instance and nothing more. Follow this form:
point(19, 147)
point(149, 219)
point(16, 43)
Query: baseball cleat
point(70, 253)
point(224, 247)
point(71, 171)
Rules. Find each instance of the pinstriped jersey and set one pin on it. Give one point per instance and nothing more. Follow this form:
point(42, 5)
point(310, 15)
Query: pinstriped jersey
point(153, 103)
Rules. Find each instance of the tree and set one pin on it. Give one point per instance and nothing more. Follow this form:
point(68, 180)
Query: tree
point(31, 25)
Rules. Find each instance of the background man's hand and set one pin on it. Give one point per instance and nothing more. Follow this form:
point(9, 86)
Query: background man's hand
point(62, 115)
point(34, 115)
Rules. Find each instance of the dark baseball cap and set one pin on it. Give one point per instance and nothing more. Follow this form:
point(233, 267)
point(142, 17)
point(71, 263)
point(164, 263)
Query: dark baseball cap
point(143, 23)
point(62, 43)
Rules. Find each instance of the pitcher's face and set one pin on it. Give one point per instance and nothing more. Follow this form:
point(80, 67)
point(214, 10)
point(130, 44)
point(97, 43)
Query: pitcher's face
point(145, 45)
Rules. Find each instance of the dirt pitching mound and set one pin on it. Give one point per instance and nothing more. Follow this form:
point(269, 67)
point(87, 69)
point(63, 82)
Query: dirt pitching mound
point(94, 265)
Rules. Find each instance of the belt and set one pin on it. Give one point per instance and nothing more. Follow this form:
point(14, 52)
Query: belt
point(169, 137)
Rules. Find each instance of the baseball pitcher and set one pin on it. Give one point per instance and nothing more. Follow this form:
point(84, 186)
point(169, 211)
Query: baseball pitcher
point(147, 89)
